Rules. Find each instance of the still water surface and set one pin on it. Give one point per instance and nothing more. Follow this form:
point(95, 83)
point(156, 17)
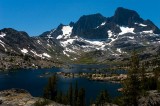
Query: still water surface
point(30, 80)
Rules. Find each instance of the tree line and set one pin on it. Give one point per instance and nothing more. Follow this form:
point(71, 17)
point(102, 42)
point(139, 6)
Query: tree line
point(137, 83)
point(75, 96)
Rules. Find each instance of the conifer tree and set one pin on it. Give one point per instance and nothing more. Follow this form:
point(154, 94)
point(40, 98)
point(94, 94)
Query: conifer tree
point(143, 80)
point(81, 97)
point(131, 86)
point(59, 97)
point(50, 91)
point(102, 98)
point(70, 95)
point(75, 93)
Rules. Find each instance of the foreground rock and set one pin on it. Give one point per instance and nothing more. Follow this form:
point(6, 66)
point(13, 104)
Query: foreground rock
point(20, 97)
point(106, 104)
point(152, 99)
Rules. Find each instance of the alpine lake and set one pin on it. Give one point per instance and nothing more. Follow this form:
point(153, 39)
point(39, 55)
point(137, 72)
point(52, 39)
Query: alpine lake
point(34, 81)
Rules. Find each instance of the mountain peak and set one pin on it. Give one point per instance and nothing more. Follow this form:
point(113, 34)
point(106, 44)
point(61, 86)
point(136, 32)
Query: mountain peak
point(87, 24)
point(11, 31)
point(92, 15)
point(123, 11)
point(126, 17)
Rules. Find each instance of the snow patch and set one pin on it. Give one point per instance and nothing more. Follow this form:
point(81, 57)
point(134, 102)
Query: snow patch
point(66, 54)
point(67, 31)
point(59, 37)
point(24, 51)
point(69, 50)
point(131, 37)
point(66, 42)
point(2, 35)
point(148, 32)
point(103, 23)
point(74, 59)
point(143, 25)
point(49, 45)
point(46, 55)
point(36, 54)
point(2, 43)
point(119, 50)
point(41, 55)
point(110, 34)
point(49, 36)
point(39, 42)
point(96, 43)
point(126, 30)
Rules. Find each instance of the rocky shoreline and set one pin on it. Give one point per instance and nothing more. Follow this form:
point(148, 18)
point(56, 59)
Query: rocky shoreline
point(114, 78)
point(17, 62)
point(20, 97)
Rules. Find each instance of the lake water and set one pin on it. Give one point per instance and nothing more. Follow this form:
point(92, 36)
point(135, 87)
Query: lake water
point(30, 80)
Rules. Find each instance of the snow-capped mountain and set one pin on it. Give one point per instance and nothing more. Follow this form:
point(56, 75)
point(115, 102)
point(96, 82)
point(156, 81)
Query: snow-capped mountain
point(113, 37)
point(13, 42)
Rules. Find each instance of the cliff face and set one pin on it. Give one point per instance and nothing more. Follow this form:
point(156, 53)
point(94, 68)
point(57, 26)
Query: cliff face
point(20, 97)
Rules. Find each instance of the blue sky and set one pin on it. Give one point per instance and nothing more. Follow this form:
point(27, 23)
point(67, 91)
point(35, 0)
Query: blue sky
point(37, 16)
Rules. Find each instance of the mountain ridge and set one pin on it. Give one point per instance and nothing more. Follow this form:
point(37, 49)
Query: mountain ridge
point(114, 36)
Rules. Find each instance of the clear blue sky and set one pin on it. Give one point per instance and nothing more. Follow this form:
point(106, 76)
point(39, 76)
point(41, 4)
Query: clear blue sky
point(37, 16)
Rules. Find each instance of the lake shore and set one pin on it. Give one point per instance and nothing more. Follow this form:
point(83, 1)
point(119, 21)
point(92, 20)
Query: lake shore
point(21, 97)
point(17, 62)
point(114, 78)
point(35, 80)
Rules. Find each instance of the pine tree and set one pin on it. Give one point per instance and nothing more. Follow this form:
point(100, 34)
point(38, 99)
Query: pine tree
point(46, 93)
point(131, 85)
point(102, 98)
point(91, 102)
point(143, 80)
point(75, 93)
point(70, 95)
point(50, 91)
point(59, 97)
point(65, 99)
point(157, 74)
point(81, 97)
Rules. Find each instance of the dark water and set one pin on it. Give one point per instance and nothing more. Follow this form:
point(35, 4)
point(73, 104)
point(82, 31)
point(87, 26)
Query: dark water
point(30, 80)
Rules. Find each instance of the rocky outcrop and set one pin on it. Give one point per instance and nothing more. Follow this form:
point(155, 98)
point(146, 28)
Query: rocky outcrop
point(20, 97)
point(152, 99)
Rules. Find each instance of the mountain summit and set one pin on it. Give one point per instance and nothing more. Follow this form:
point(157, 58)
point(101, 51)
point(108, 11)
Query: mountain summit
point(95, 26)
point(87, 26)
point(126, 17)
point(114, 35)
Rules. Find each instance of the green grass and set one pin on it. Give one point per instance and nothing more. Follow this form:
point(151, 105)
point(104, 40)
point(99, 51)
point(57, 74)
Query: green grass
point(85, 60)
